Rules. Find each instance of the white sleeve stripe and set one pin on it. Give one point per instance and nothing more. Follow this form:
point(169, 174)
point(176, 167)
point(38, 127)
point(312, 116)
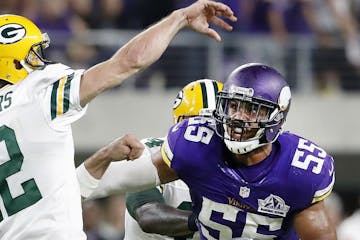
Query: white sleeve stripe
point(322, 192)
point(87, 182)
point(167, 150)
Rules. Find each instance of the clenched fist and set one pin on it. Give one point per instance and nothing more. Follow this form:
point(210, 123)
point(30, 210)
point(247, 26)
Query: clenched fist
point(126, 147)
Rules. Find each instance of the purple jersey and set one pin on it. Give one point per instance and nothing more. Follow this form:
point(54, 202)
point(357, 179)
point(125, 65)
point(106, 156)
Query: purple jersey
point(247, 202)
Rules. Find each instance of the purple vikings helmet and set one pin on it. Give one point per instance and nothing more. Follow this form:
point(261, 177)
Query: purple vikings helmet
point(252, 107)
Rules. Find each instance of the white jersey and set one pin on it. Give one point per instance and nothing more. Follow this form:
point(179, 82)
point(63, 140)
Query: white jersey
point(176, 194)
point(349, 228)
point(39, 192)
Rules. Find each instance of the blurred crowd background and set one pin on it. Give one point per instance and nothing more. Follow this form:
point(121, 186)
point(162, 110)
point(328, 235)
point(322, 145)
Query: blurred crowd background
point(315, 43)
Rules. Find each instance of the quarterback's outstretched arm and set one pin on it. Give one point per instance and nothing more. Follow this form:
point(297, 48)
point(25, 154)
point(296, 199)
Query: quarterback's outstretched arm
point(89, 172)
point(117, 177)
point(147, 47)
point(145, 172)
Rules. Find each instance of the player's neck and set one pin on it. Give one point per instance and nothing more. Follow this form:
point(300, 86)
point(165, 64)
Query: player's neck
point(254, 156)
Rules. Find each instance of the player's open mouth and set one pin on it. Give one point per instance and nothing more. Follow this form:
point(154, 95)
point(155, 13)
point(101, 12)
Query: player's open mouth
point(241, 134)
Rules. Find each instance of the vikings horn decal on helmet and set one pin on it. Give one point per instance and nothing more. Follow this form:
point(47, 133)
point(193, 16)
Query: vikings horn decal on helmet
point(196, 98)
point(21, 47)
point(252, 107)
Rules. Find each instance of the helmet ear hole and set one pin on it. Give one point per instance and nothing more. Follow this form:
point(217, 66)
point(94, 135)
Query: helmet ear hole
point(17, 64)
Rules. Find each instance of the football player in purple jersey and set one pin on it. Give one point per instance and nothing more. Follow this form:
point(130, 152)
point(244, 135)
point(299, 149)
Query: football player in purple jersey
point(248, 178)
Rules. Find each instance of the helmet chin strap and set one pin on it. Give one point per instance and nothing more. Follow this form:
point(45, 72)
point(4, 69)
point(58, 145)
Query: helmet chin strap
point(26, 66)
point(243, 147)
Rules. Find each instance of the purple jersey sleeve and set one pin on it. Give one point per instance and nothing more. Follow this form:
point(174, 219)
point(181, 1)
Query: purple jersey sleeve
point(187, 145)
point(168, 147)
point(311, 170)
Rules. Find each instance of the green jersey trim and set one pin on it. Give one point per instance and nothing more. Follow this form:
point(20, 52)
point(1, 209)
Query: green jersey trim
point(137, 199)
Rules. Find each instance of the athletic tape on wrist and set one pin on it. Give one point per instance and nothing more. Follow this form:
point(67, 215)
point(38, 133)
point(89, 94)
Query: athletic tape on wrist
point(86, 181)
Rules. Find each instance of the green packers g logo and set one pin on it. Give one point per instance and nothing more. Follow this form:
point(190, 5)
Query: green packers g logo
point(11, 33)
point(178, 99)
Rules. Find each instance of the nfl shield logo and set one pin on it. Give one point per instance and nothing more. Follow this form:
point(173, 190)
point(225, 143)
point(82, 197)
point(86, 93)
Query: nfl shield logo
point(244, 192)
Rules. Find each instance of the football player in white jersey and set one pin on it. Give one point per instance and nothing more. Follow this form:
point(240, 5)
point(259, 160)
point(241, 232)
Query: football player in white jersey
point(39, 192)
point(163, 212)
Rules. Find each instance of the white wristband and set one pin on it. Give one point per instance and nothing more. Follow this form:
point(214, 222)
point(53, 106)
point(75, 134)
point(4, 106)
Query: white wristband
point(86, 181)
point(127, 176)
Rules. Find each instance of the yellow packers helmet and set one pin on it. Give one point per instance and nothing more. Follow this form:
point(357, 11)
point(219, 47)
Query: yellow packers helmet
point(194, 97)
point(21, 47)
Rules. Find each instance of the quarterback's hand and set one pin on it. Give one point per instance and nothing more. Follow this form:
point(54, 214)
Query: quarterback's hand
point(126, 147)
point(203, 12)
